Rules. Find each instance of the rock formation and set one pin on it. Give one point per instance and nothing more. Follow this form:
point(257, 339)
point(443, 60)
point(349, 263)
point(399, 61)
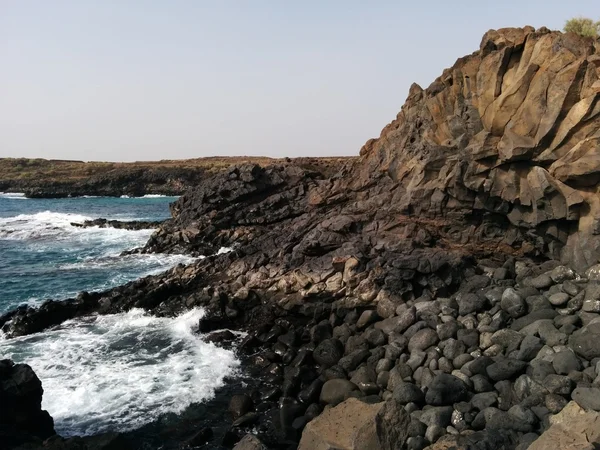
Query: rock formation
point(416, 273)
point(505, 144)
point(22, 419)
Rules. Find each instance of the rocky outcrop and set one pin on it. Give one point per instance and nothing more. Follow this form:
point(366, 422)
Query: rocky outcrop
point(119, 224)
point(22, 419)
point(505, 143)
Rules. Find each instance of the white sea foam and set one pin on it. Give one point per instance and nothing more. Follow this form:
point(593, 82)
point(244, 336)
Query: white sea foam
point(153, 196)
point(13, 195)
point(52, 225)
point(121, 371)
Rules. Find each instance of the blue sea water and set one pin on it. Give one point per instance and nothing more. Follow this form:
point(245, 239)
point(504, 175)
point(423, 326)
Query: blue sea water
point(100, 373)
point(43, 256)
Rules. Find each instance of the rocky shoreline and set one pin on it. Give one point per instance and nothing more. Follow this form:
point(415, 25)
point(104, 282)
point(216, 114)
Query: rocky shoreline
point(442, 291)
point(119, 224)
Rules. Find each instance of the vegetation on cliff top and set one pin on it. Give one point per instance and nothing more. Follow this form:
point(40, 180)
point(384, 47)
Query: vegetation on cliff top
point(583, 26)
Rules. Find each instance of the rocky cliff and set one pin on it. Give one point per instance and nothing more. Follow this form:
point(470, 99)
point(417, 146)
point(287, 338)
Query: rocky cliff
point(413, 275)
point(500, 153)
point(505, 145)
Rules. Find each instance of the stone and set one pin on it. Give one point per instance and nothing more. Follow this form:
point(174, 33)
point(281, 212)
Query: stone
point(249, 442)
point(336, 391)
point(366, 318)
point(447, 330)
point(558, 384)
point(562, 273)
point(434, 432)
point(587, 397)
point(530, 346)
point(555, 403)
point(328, 352)
point(354, 425)
point(586, 342)
point(559, 299)
point(423, 339)
point(240, 405)
point(508, 339)
point(446, 389)
point(398, 323)
point(469, 337)
point(504, 369)
point(484, 400)
point(481, 383)
point(565, 362)
point(375, 337)
point(513, 303)
point(591, 302)
point(543, 281)
point(408, 393)
point(437, 415)
point(498, 419)
point(470, 303)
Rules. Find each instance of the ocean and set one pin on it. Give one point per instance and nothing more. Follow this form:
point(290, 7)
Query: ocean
point(100, 373)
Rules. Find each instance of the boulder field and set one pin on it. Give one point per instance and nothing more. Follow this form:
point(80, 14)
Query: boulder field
point(441, 291)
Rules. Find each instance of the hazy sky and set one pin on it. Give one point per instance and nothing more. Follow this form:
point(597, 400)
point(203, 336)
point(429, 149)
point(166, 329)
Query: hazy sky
point(141, 79)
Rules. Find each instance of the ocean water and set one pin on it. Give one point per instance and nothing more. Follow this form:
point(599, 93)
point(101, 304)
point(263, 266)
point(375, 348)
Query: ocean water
point(99, 373)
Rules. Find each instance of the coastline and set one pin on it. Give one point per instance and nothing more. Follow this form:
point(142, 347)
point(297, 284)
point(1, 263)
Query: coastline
point(442, 290)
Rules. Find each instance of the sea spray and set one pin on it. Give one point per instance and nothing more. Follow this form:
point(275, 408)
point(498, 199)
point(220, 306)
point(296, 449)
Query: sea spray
point(121, 371)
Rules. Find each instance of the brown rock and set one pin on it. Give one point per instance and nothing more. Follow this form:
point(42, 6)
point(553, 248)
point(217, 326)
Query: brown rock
point(572, 429)
point(354, 425)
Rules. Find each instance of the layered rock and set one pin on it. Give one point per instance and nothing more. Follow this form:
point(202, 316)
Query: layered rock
point(506, 143)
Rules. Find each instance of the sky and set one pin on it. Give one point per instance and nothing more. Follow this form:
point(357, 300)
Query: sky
point(126, 80)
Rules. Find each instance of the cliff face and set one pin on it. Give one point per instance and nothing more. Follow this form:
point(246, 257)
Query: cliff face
point(499, 154)
point(507, 142)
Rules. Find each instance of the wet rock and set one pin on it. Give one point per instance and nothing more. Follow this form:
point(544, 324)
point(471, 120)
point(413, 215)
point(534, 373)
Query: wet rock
point(21, 414)
point(240, 405)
